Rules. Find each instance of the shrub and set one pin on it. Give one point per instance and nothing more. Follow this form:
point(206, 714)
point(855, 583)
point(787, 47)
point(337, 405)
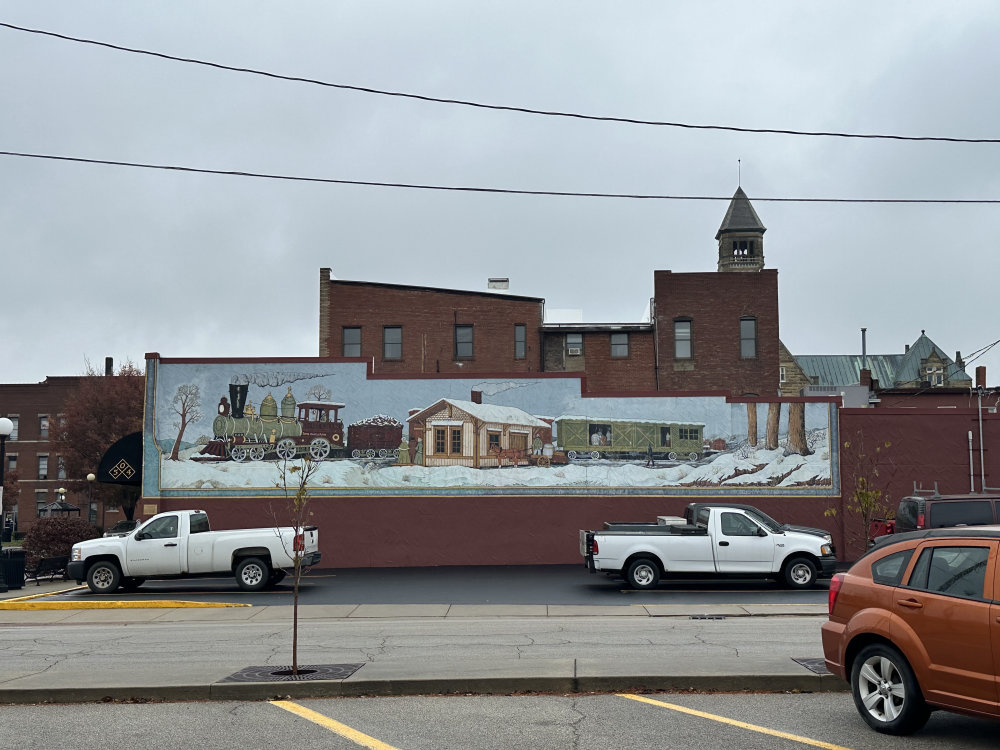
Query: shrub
point(54, 537)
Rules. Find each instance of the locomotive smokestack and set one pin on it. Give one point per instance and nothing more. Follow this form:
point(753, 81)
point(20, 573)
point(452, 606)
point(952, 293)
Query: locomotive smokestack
point(238, 398)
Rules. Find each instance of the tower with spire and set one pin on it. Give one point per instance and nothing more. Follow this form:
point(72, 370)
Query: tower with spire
point(741, 237)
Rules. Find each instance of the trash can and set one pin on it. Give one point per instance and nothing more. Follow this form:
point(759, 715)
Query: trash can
point(13, 567)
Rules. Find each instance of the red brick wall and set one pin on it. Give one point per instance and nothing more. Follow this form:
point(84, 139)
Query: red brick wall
point(428, 318)
point(715, 302)
point(606, 373)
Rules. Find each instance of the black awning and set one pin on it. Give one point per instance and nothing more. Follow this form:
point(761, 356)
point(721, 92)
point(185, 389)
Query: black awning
point(122, 462)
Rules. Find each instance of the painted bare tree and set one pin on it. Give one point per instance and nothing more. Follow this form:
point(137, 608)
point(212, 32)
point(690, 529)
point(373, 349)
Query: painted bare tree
point(752, 424)
point(797, 442)
point(187, 406)
point(319, 393)
point(773, 421)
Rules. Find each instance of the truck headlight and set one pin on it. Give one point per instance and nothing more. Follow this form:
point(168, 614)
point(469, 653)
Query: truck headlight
point(74, 554)
point(826, 549)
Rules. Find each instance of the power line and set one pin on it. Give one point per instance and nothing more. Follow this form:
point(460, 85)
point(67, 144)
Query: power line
point(499, 107)
point(468, 189)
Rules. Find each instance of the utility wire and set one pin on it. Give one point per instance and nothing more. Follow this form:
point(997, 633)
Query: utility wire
point(500, 107)
point(467, 189)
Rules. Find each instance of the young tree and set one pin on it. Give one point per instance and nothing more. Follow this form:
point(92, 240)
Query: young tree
point(102, 410)
point(187, 405)
point(294, 482)
point(870, 471)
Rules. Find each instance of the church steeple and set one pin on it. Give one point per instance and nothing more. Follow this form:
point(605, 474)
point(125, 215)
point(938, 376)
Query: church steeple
point(741, 236)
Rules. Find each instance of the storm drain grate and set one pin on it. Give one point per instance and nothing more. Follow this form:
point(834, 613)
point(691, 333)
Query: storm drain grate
point(814, 665)
point(283, 674)
point(708, 617)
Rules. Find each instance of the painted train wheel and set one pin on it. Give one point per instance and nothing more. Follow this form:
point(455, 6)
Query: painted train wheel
point(257, 453)
point(355, 453)
point(238, 453)
point(319, 448)
point(285, 449)
point(383, 453)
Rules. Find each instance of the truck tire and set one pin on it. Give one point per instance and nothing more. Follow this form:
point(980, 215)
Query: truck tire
point(252, 574)
point(643, 573)
point(800, 573)
point(103, 577)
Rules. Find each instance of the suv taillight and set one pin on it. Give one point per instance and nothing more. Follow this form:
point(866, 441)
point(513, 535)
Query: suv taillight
point(835, 584)
point(920, 520)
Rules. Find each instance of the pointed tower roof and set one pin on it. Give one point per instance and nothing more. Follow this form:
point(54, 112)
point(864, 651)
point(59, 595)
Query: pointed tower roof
point(740, 217)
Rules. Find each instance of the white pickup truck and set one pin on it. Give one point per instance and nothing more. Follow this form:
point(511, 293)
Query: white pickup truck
point(710, 540)
point(180, 544)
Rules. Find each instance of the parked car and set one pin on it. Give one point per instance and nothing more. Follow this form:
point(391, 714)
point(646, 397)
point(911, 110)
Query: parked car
point(928, 509)
point(913, 627)
point(122, 528)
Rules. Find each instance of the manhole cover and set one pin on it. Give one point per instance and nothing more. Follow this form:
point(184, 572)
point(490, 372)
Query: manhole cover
point(813, 665)
point(306, 672)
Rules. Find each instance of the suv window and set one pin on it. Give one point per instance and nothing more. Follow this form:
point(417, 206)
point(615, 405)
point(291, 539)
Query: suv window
point(889, 570)
point(964, 512)
point(957, 571)
point(906, 514)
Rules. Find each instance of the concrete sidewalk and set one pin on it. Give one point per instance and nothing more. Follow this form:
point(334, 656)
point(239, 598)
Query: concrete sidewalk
point(163, 651)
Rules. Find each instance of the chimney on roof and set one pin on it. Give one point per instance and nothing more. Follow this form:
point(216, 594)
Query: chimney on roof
point(477, 397)
point(906, 349)
point(866, 379)
point(981, 376)
point(498, 283)
point(109, 366)
point(958, 361)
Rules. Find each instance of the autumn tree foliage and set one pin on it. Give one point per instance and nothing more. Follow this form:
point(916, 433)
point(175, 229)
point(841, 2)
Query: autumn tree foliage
point(102, 410)
point(55, 537)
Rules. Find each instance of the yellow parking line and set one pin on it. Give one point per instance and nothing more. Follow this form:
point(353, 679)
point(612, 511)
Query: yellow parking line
point(334, 726)
point(733, 722)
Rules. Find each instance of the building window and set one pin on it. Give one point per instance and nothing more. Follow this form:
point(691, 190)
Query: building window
point(687, 433)
point(782, 374)
point(13, 434)
point(520, 341)
point(448, 441)
point(392, 342)
point(456, 441)
point(934, 375)
point(43, 467)
point(41, 500)
point(463, 342)
point(11, 462)
point(440, 439)
point(351, 342)
point(682, 339)
point(574, 344)
point(619, 345)
point(43, 426)
point(493, 442)
point(60, 468)
point(742, 248)
point(748, 338)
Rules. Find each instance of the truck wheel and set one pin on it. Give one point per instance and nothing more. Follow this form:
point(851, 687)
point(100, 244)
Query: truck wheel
point(252, 574)
point(131, 584)
point(103, 577)
point(643, 574)
point(800, 573)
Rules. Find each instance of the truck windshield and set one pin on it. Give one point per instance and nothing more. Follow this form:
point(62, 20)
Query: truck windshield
point(764, 519)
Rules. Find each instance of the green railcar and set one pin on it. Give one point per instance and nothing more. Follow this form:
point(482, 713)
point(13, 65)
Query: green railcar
point(583, 437)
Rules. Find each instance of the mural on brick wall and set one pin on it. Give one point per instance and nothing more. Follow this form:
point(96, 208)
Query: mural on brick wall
point(216, 427)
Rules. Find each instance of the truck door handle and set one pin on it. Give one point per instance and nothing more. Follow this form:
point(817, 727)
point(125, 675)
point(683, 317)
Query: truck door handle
point(170, 544)
point(723, 544)
point(910, 604)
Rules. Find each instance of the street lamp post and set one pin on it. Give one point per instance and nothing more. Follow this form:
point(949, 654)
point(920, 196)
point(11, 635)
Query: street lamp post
point(90, 499)
point(6, 428)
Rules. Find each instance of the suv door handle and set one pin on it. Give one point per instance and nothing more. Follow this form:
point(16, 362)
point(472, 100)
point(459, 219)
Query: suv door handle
point(723, 544)
point(170, 544)
point(910, 604)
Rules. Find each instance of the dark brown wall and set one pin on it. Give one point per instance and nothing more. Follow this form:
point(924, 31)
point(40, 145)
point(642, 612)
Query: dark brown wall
point(715, 302)
point(428, 318)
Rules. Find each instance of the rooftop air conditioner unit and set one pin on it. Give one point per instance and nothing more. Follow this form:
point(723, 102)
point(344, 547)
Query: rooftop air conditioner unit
point(574, 351)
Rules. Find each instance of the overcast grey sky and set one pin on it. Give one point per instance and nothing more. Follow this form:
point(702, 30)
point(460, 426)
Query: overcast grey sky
point(113, 261)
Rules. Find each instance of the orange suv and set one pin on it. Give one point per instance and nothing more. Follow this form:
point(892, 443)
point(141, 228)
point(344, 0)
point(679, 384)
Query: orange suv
point(915, 626)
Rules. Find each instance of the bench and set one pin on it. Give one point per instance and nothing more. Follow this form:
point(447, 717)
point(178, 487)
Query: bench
point(47, 566)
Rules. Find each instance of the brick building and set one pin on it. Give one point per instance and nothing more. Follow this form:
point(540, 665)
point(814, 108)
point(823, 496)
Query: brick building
point(713, 331)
